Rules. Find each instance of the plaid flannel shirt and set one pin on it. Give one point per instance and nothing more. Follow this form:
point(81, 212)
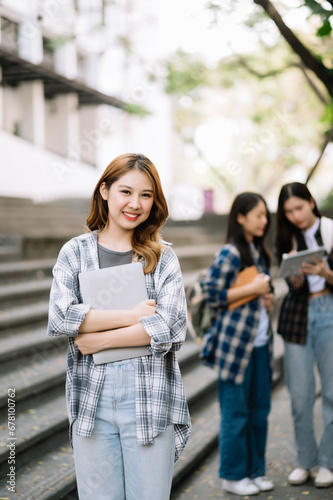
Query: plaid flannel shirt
point(228, 344)
point(293, 318)
point(160, 397)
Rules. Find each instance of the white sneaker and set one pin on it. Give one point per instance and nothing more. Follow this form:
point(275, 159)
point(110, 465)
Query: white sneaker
point(324, 478)
point(299, 476)
point(263, 483)
point(243, 487)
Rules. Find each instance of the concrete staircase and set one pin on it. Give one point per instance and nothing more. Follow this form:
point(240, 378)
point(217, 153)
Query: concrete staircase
point(34, 366)
point(61, 217)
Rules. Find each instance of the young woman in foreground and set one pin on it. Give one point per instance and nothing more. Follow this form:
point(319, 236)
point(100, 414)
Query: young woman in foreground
point(239, 346)
point(128, 419)
point(306, 324)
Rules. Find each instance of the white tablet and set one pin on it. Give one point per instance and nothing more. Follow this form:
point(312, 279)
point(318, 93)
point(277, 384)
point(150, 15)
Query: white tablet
point(291, 263)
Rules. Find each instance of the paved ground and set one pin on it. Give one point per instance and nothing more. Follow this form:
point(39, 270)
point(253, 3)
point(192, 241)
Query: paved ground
point(204, 483)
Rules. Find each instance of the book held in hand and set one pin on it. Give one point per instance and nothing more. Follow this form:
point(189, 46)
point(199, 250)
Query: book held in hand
point(244, 278)
point(115, 288)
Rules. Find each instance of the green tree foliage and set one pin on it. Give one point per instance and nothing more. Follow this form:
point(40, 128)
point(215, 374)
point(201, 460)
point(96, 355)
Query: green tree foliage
point(288, 104)
point(186, 72)
point(324, 14)
point(312, 59)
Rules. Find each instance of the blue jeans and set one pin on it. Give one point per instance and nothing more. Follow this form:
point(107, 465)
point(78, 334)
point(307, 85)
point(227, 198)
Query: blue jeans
point(110, 465)
point(299, 364)
point(244, 412)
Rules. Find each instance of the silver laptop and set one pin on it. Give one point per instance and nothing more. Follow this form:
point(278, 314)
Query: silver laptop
point(118, 287)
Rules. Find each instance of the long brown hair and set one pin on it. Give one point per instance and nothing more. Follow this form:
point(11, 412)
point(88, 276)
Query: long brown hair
point(146, 241)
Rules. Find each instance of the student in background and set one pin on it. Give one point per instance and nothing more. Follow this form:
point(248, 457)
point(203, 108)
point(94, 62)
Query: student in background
point(128, 419)
point(306, 324)
point(239, 346)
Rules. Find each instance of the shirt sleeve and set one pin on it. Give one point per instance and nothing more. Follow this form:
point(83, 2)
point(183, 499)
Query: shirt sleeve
point(66, 313)
point(167, 327)
point(220, 277)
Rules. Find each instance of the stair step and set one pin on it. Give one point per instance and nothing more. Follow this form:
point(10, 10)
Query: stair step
point(27, 314)
point(189, 235)
point(47, 474)
point(188, 251)
point(15, 292)
point(9, 253)
point(36, 420)
point(188, 354)
point(203, 438)
point(189, 277)
point(32, 375)
point(10, 247)
point(199, 381)
point(17, 343)
point(195, 257)
point(20, 270)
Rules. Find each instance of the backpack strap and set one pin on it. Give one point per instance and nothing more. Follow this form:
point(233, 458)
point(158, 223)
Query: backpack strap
point(326, 230)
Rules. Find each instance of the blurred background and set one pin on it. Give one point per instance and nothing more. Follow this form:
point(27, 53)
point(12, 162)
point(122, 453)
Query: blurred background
point(211, 91)
point(223, 96)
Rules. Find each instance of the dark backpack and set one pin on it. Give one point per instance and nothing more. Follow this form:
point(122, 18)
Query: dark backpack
point(200, 315)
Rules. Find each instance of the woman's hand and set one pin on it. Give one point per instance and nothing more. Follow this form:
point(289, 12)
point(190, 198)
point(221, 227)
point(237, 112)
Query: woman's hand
point(318, 269)
point(144, 308)
point(89, 343)
point(268, 301)
point(260, 284)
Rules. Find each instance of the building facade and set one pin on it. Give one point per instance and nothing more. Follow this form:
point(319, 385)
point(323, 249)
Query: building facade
point(80, 84)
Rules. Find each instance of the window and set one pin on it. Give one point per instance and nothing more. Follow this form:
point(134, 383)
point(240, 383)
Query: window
point(9, 34)
point(48, 53)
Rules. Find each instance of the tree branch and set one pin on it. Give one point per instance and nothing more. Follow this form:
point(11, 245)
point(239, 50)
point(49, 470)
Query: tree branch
point(306, 56)
point(312, 84)
point(329, 138)
point(256, 73)
point(242, 62)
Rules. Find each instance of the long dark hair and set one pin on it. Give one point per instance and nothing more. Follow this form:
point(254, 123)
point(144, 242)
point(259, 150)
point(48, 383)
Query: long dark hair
point(285, 230)
point(146, 242)
point(242, 204)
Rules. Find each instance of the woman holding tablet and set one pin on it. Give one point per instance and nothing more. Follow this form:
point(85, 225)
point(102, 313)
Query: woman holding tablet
point(306, 324)
point(129, 419)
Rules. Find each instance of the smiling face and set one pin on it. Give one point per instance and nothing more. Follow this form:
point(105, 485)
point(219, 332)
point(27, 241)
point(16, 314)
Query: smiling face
point(254, 222)
point(299, 212)
point(130, 200)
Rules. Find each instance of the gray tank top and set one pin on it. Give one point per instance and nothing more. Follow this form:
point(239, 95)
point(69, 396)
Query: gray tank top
point(109, 258)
